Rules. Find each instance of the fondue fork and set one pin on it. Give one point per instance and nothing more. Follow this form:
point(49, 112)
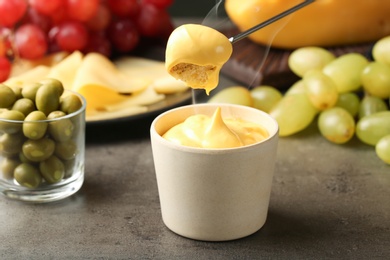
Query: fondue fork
point(255, 28)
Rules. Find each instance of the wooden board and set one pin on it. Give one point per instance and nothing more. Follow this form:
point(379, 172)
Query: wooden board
point(248, 66)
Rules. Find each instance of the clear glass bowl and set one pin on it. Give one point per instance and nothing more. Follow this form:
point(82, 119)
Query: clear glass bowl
point(43, 160)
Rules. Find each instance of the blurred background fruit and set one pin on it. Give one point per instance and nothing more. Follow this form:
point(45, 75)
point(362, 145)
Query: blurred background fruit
point(352, 22)
point(31, 29)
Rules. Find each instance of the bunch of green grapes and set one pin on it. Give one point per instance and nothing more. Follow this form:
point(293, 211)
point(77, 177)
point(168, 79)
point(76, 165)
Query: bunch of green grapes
point(334, 86)
point(349, 96)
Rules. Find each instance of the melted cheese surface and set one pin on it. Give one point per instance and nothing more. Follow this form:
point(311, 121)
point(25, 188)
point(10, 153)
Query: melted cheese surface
point(203, 131)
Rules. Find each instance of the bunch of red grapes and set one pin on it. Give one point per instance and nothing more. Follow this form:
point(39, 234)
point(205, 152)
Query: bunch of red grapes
point(30, 29)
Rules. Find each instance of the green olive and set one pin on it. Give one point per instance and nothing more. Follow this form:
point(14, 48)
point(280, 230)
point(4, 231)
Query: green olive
point(61, 130)
point(24, 105)
point(7, 96)
point(17, 90)
point(24, 159)
point(11, 127)
point(27, 175)
point(34, 127)
point(38, 150)
point(66, 150)
point(52, 169)
point(8, 166)
point(70, 103)
point(47, 99)
point(54, 83)
point(30, 91)
point(56, 114)
point(11, 144)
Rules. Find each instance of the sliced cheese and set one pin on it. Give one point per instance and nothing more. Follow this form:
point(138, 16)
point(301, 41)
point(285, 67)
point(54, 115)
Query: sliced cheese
point(147, 97)
point(98, 70)
point(21, 66)
point(65, 71)
point(141, 67)
point(169, 85)
point(98, 97)
point(163, 82)
point(30, 76)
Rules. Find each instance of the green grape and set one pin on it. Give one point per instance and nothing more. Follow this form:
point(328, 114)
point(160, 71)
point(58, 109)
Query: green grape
point(297, 87)
point(371, 105)
point(337, 125)
point(346, 70)
point(320, 89)
point(382, 149)
point(233, 95)
point(349, 101)
point(293, 113)
point(381, 50)
point(376, 79)
point(304, 59)
point(370, 129)
point(265, 97)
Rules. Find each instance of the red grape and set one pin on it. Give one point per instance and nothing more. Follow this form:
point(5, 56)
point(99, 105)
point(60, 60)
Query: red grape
point(11, 11)
point(123, 35)
point(5, 42)
point(3, 49)
point(98, 42)
point(81, 10)
point(124, 8)
point(5, 68)
point(53, 46)
point(60, 16)
point(71, 36)
point(158, 3)
point(30, 41)
point(40, 20)
point(46, 7)
point(154, 22)
point(100, 20)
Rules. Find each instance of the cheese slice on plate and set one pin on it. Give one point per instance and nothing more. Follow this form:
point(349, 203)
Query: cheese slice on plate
point(102, 84)
point(141, 67)
point(169, 85)
point(163, 82)
point(144, 98)
point(65, 71)
point(30, 76)
point(21, 66)
point(98, 70)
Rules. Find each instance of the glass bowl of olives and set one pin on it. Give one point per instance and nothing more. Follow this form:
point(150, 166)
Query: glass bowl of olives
point(42, 141)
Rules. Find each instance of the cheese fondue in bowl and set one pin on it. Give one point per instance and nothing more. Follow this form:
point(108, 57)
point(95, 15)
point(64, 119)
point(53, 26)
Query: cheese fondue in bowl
point(214, 194)
point(215, 132)
point(195, 54)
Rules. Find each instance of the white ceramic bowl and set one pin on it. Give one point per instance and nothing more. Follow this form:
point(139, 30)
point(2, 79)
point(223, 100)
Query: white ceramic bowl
point(214, 194)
